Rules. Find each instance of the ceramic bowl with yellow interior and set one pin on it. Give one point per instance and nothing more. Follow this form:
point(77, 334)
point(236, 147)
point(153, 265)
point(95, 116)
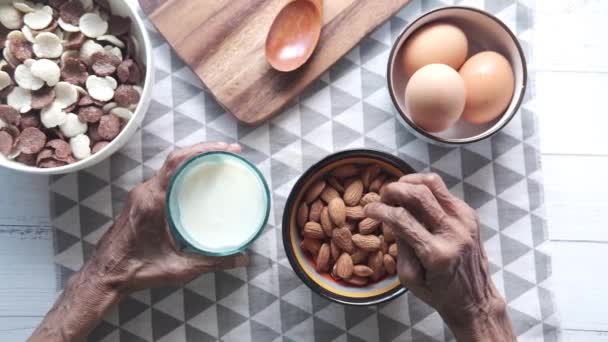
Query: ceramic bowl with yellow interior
point(324, 284)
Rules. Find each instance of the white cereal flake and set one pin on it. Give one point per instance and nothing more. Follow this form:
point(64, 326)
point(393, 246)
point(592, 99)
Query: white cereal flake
point(48, 45)
point(81, 148)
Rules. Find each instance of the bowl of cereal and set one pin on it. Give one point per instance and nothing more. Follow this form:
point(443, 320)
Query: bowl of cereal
point(75, 82)
point(332, 246)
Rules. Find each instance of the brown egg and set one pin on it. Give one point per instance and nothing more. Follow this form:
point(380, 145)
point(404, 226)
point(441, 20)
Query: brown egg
point(434, 97)
point(439, 42)
point(489, 82)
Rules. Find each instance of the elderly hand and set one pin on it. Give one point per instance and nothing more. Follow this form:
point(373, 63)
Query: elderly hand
point(441, 258)
point(137, 252)
point(146, 254)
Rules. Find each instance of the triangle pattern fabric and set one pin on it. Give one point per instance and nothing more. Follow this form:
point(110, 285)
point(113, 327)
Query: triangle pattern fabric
point(347, 107)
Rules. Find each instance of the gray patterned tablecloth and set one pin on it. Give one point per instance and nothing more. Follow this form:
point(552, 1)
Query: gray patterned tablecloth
point(348, 107)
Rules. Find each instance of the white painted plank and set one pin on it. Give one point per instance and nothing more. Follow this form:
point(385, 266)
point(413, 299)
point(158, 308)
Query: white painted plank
point(17, 328)
point(572, 111)
point(579, 281)
point(569, 35)
point(575, 197)
point(584, 336)
point(24, 199)
point(28, 286)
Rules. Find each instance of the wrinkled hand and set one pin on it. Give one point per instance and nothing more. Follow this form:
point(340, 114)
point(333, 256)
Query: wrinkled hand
point(140, 251)
point(441, 258)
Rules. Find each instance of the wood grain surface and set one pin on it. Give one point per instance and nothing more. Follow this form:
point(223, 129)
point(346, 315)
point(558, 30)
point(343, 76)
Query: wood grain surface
point(223, 42)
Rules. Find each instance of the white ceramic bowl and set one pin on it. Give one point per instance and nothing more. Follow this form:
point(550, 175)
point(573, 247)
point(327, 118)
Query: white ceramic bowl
point(119, 7)
point(484, 32)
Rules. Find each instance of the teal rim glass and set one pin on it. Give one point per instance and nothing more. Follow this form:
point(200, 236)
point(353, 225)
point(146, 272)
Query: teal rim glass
point(181, 236)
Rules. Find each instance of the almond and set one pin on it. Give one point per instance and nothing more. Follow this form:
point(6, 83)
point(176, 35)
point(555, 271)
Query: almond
point(370, 197)
point(345, 171)
point(311, 245)
point(383, 245)
point(362, 271)
point(337, 211)
point(333, 181)
point(377, 183)
point(369, 174)
point(335, 251)
point(393, 250)
point(313, 230)
point(357, 281)
point(388, 232)
point(368, 225)
point(315, 211)
point(343, 239)
point(365, 242)
point(344, 266)
point(314, 191)
point(329, 193)
point(302, 215)
point(323, 258)
point(355, 213)
point(389, 264)
point(326, 222)
point(349, 181)
point(359, 256)
point(353, 193)
point(376, 263)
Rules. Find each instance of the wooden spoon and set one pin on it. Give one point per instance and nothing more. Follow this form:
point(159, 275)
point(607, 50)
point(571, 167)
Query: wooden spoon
point(294, 34)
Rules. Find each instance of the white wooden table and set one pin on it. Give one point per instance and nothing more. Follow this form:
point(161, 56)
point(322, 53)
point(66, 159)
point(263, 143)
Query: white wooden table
point(571, 60)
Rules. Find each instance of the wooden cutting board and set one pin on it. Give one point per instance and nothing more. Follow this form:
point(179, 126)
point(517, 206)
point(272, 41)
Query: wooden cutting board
point(223, 42)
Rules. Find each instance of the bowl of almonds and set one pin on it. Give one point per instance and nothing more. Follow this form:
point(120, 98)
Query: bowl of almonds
point(332, 246)
point(74, 85)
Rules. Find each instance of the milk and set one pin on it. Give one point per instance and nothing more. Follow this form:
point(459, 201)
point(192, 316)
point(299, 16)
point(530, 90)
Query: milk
point(222, 204)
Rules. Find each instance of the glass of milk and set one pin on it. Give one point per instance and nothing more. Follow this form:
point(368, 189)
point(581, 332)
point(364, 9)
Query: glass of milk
point(217, 204)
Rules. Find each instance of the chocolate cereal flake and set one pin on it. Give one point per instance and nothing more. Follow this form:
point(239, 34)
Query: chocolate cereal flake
point(104, 63)
point(99, 146)
point(104, 5)
point(31, 140)
point(71, 11)
point(42, 97)
point(61, 148)
point(74, 71)
point(70, 109)
point(29, 120)
point(51, 163)
point(126, 95)
point(129, 72)
point(12, 130)
point(21, 48)
point(9, 115)
point(27, 159)
point(74, 41)
point(85, 101)
point(90, 114)
point(53, 133)
point(109, 127)
point(93, 133)
point(57, 3)
point(44, 154)
point(119, 25)
point(6, 143)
